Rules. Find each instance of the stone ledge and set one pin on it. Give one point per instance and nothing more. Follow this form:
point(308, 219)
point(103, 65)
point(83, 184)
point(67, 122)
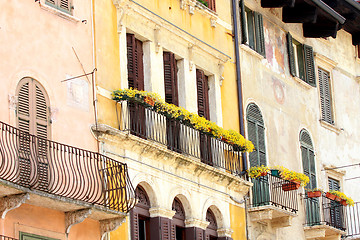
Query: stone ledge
point(323, 232)
point(151, 148)
point(270, 214)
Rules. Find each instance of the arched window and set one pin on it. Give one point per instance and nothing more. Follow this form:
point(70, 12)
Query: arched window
point(256, 134)
point(33, 108)
point(211, 230)
point(140, 216)
point(178, 219)
point(308, 158)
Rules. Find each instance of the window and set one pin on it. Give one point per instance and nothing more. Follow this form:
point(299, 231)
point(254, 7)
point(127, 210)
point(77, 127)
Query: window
point(308, 158)
point(208, 3)
point(28, 236)
point(301, 60)
point(325, 96)
point(211, 230)
point(252, 29)
point(178, 219)
point(62, 5)
point(334, 211)
point(358, 51)
point(256, 134)
point(140, 216)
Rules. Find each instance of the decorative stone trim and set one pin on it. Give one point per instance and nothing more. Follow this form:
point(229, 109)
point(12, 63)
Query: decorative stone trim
point(251, 51)
point(197, 223)
point(75, 217)
point(357, 78)
point(161, 212)
point(12, 202)
point(110, 225)
point(330, 127)
point(225, 232)
point(13, 101)
point(325, 62)
point(302, 83)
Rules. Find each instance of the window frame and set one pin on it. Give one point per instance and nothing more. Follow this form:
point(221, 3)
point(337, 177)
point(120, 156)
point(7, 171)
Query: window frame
point(57, 5)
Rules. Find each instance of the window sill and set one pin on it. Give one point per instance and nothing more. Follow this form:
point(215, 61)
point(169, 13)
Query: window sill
point(248, 49)
point(58, 12)
point(302, 83)
point(330, 127)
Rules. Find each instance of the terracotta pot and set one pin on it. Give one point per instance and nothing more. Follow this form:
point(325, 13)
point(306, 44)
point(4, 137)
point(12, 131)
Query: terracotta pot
point(343, 202)
point(314, 194)
point(338, 199)
point(330, 196)
point(290, 186)
point(149, 101)
point(263, 174)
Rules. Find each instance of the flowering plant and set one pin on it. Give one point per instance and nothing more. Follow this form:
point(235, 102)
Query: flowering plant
point(191, 119)
point(293, 176)
point(342, 196)
point(314, 190)
point(258, 171)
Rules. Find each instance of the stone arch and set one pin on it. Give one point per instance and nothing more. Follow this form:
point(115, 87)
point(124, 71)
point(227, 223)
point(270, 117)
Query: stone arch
point(148, 185)
point(219, 212)
point(184, 196)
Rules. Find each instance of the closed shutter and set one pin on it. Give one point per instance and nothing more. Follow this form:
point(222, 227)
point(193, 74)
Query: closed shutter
point(325, 96)
point(135, 64)
point(259, 33)
point(334, 185)
point(243, 22)
point(165, 229)
point(65, 5)
point(291, 54)
point(23, 112)
point(134, 225)
point(202, 94)
point(170, 78)
point(51, 1)
point(309, 65)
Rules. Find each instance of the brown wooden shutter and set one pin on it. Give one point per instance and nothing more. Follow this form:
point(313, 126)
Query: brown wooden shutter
point(135, 62)
point(170, 78)
point(309, 65)
point(23, 110)
point(211, 5)
point(202, 94)
point(165, 229)
point(134, 225)
point(291, 54)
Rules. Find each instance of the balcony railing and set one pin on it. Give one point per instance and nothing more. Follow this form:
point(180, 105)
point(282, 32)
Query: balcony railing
point(323, 211)
point(275, 191)
point(179, 137)
point(353, 220)
point(6, 238)
point(63, 170)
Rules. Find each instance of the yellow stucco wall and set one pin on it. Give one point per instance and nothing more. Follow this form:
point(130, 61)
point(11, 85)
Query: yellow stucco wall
point(238, 222)
point(121, 232)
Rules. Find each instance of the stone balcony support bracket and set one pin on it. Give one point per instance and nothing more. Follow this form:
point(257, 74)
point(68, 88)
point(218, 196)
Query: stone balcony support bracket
point(75, 217)
point(323, 232)
point(278, 218)
point(11, 202)
point(110, 225)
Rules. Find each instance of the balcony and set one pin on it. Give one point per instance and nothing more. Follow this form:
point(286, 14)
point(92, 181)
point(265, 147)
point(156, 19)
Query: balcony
point(273, 201)
point(325, 218)
point(62, 177)
point(353, 221)
point(178, 137)
point(6, 238)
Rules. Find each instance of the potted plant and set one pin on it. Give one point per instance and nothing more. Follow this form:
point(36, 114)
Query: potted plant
point(340, 197)
point(296, 179)
point(313, 193)
point(258, 171)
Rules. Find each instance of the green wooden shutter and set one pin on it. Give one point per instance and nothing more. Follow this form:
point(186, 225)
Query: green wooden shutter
point(250, 29)
point(334, 184)
point(243, 22)
point(65, 5)
point(259, 33)
point(325, 96)
point(291, 54)
point(28, 236)
point(309, 65)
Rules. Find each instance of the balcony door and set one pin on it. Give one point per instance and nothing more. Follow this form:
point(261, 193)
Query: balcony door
point(256, 134)
point(135, 67)
point(335, 209)
point(33, 120)
point(308, 161)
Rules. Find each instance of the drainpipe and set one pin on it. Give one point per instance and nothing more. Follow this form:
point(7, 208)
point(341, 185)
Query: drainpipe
point(240, 96)
point(238, 78)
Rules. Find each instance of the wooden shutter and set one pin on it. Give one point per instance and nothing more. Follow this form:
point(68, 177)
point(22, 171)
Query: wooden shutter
point(334, 185)
point(259, 33)
point(211, 5)
point(170, 78)
point(308, 158)
point(165, 229)
point(135, 64)
point(291, 54)
point(202, 94)
point(65, 5)
point(309, 65)
point(251, 29)
point(134, 225)
point(325, 96)
point(51, 1)
point(243, 22)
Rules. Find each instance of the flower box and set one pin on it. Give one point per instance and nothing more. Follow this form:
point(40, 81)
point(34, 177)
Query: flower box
point(290, 186)
point(314, 194)
point(275, 172)
point(343, 202)
point(338, 199)
point(330, 196)
point(263, 174)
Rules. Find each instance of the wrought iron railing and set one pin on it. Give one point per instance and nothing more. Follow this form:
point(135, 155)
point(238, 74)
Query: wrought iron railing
point(63, 170)
point(323, 211)
point(177, 136)
point(275, 191)
point(353, 220)
point(2, 237)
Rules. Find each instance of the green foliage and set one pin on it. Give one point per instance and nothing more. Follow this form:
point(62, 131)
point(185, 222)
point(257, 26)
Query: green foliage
point(203, 2)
